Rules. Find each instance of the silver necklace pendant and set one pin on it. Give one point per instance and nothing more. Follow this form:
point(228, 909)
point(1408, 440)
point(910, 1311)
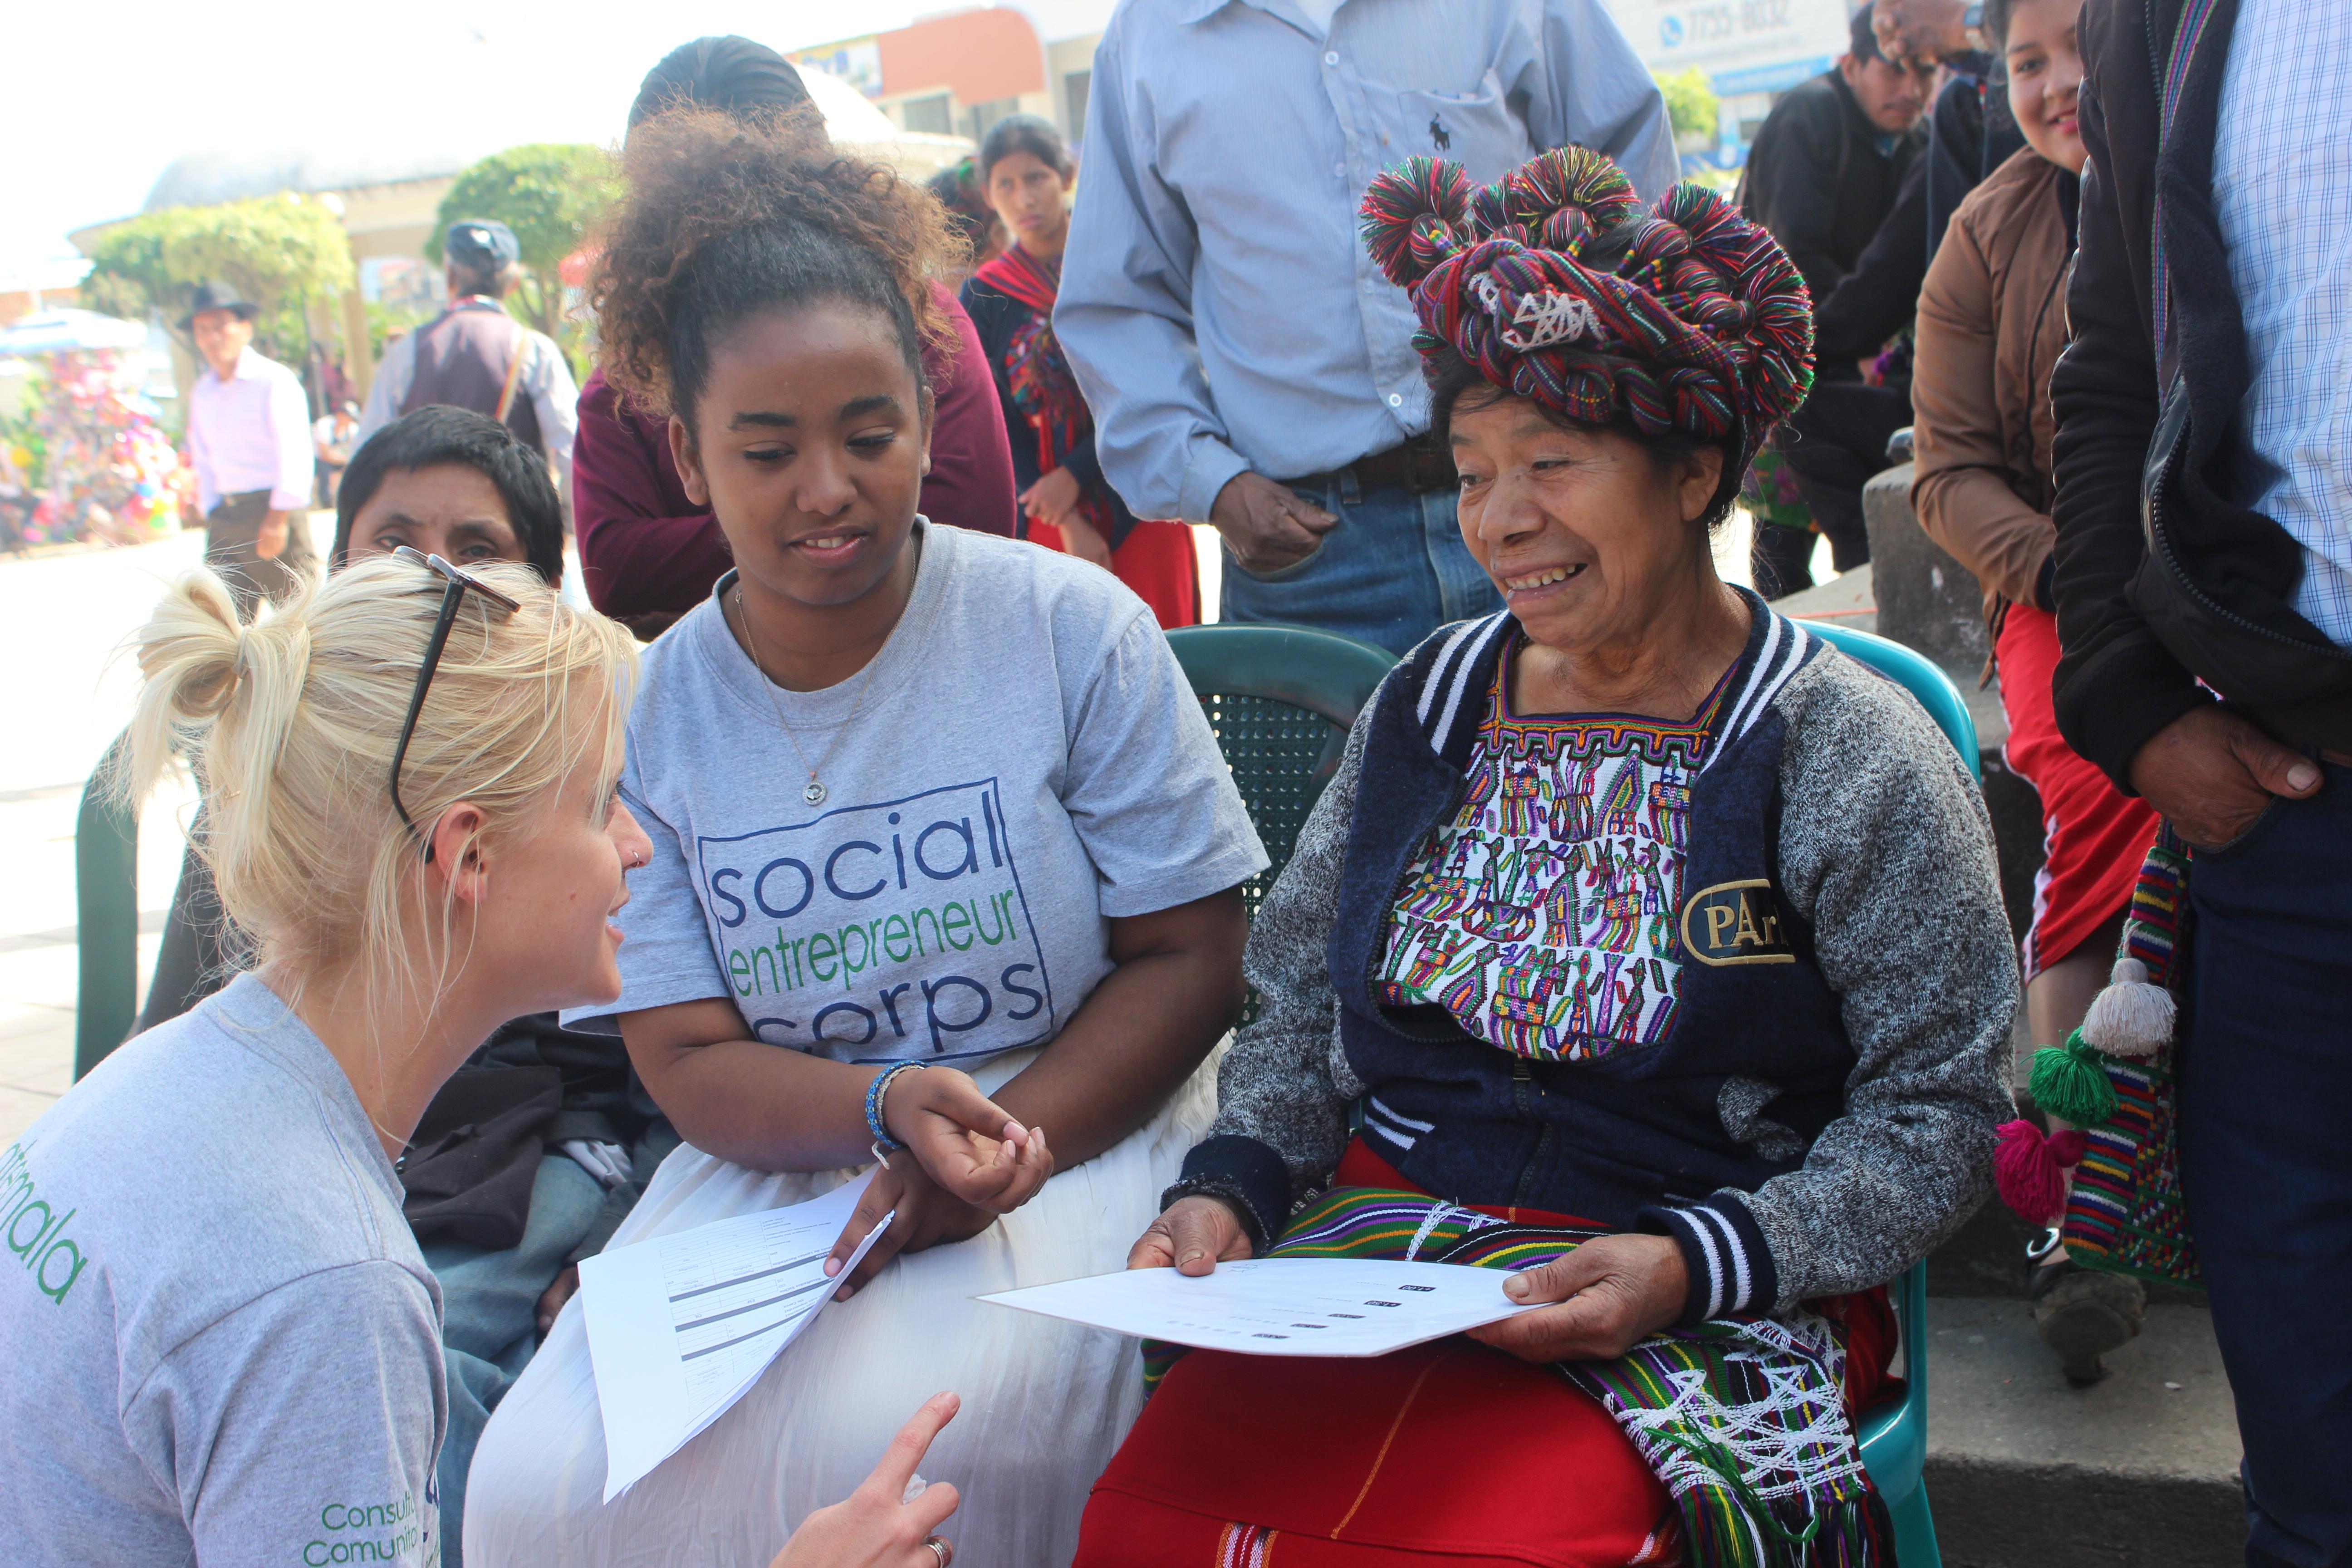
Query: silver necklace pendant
point(814, 794)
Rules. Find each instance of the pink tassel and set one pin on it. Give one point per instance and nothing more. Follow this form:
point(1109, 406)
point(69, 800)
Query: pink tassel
point(2030, 1170)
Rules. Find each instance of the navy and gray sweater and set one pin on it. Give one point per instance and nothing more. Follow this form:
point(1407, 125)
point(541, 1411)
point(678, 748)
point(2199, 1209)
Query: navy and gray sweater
point(1814, 1119)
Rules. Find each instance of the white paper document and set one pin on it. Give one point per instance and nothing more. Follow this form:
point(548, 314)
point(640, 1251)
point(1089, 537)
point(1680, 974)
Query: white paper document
point(1282, 1306)
point(681, 1326)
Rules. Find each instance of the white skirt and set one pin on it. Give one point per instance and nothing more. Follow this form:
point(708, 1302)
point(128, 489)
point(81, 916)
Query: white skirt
point(1044, 1403)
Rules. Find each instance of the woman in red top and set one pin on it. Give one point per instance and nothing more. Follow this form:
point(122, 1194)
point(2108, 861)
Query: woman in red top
point(1026, 173)
point(648, 554)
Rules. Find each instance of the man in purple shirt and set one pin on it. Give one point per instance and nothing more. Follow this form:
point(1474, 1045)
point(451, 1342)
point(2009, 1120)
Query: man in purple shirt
point(249, 441)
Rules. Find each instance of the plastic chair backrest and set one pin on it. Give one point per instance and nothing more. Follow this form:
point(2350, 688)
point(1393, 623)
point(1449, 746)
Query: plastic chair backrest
point(1916, 673)
point(1894, 1440)
point(1280, 700)
point(106, 921)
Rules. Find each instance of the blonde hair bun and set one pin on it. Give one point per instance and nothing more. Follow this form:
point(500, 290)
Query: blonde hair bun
point(290, 723)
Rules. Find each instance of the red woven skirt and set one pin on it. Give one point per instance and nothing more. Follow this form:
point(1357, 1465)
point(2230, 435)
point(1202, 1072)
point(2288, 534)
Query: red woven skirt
point(1446, 1453)
point(1156, 560)
point(2094, 836)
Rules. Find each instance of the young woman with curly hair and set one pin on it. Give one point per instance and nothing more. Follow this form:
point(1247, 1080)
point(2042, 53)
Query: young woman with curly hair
point(648, 554)
point(944, 857)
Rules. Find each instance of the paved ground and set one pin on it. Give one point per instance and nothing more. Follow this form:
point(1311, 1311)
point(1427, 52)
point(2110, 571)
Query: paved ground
point(2023, 1471)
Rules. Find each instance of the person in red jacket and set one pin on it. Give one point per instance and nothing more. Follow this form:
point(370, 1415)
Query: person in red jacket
point(648, 554)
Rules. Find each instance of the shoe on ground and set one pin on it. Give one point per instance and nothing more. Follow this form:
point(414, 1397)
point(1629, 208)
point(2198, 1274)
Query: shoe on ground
point(2083, 1313)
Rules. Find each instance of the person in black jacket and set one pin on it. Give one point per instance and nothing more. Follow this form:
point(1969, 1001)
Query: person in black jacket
point(1825, 178)
point(2204, 535)
point(1831, 156)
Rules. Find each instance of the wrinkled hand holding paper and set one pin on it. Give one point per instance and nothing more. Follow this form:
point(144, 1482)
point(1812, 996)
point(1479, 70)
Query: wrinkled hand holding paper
point(679, 1327)
point(1283, 1306)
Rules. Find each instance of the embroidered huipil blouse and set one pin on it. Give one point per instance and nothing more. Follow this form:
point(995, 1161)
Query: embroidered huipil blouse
point(1542, 915)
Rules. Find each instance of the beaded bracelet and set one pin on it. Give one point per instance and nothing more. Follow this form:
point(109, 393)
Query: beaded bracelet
point(884, 1144)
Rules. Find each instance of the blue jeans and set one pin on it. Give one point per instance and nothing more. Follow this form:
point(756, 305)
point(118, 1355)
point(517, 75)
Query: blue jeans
point(2265, 1164)
point(489, 1318)
point(1392, 571)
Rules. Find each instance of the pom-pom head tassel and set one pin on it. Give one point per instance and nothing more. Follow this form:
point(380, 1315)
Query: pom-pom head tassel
point(2133, 1016)
point(2029, 1170)
point(2070, 1082)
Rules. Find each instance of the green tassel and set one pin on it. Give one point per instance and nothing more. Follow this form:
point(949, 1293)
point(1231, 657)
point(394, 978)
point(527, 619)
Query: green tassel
point(2071, 1083)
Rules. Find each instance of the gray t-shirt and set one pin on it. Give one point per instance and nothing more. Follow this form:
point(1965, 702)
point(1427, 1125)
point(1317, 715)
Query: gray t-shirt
point(221, 1344)
point(1021, 763)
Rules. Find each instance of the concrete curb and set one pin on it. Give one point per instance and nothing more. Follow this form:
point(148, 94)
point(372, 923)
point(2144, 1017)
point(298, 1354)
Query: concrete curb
point(2023, 1471)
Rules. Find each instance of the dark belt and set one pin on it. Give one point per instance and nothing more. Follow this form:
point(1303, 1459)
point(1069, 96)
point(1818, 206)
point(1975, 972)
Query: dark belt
point(1420, 465)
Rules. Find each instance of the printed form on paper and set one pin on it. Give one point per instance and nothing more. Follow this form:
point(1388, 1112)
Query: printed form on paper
point(1283, 1306)
point(679, 1327)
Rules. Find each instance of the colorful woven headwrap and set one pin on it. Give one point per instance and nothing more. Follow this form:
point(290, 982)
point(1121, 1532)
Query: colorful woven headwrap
point(1555, 285)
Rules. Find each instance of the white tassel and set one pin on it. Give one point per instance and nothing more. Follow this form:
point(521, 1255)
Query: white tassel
point(2131, 1018)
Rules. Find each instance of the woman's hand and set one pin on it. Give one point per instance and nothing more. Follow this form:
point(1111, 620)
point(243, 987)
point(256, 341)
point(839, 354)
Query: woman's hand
point(950, 1182)
point(964, 1140)
point(1079, 538)
point(1614, 1291)
point(551, 1300)
point(1192, 1235)
point(878, 1526)
point(927, 1215)
point(1052, 497)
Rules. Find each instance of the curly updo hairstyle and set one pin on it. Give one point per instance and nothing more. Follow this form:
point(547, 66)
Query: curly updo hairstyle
point(731, 217)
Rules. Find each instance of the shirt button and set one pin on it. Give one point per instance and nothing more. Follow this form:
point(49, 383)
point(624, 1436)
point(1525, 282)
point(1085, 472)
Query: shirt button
point(1396, 400)
point(1341, 170)
point(1332, 59)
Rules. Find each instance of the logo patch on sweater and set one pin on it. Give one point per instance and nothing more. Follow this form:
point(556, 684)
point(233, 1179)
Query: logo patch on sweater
point(1737, 922)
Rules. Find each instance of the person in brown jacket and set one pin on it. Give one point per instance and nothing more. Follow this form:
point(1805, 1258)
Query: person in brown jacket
point(1992, 323)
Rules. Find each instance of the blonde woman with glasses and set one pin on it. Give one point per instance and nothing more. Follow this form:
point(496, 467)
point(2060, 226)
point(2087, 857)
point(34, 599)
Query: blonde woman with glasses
point(224, 1344)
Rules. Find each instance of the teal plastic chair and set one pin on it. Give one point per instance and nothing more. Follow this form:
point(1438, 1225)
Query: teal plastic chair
point(1894, 1438)
point(1280, 700)
point(106, 921)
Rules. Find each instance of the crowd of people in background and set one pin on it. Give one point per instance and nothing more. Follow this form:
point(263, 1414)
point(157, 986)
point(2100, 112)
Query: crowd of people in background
point(462, 982)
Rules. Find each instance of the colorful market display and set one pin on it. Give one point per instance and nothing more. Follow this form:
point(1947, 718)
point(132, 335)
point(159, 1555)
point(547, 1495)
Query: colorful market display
point(83, 456)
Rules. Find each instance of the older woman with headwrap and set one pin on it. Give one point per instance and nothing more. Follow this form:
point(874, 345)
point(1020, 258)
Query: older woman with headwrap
point(1657, 944)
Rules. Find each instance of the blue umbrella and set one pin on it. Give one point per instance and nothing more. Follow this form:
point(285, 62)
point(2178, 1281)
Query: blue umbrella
point(65, 332)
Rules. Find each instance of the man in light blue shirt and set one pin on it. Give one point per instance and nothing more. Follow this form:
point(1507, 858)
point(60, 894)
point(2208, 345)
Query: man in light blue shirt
point(1246, 363)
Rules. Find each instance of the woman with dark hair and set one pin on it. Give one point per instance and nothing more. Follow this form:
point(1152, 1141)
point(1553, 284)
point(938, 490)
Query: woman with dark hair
point(1992, 321)
point(944, 857)
point(1658, 944)
point(958, 190)
point(647, 552)
point(1026, 173)
point(502, 507)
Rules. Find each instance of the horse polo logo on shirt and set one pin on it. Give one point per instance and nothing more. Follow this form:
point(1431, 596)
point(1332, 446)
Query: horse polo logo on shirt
point(882, 933)
point(1737, 922)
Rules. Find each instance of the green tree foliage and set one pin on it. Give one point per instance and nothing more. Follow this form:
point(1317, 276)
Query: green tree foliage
point(1691, 104)
point(278, 251)
point(549, 194)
